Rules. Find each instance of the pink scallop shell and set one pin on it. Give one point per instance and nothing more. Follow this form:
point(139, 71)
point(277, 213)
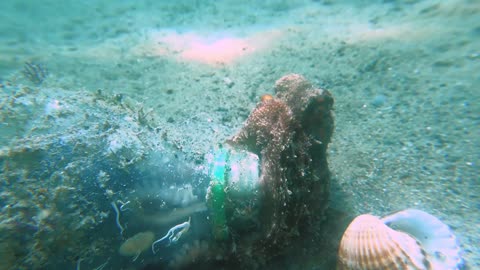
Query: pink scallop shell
point(369, 244)
point(417, 241)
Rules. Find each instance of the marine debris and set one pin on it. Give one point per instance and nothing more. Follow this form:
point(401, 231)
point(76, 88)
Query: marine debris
point(136, 244)
point(117, 217)
point(59, 178)
point(174, 233)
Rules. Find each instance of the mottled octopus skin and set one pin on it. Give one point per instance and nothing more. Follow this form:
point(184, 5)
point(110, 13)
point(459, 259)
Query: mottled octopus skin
point(290, 132)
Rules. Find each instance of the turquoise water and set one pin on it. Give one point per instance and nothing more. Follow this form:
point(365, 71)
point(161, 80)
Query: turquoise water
point(109, 110)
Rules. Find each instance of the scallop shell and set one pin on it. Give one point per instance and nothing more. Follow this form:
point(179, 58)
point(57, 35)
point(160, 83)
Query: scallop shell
point(436, 238)
point(419, 241)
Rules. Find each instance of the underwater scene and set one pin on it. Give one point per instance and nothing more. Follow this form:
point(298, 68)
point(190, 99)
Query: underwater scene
point(275, 134)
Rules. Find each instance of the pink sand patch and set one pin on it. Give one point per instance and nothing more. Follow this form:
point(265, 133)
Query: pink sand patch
point(224, 50)
point(207, 49)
